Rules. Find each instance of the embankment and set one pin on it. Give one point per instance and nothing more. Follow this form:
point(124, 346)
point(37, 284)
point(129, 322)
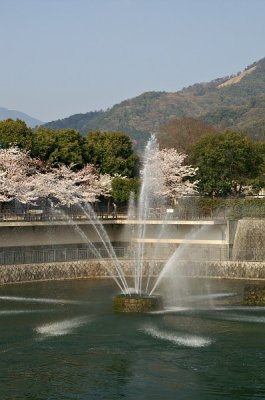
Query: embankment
point(249, 270)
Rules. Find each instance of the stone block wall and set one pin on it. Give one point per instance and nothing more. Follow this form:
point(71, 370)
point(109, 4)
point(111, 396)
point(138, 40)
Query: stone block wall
point(97, 269)
point(249, 240)
point(224, 269)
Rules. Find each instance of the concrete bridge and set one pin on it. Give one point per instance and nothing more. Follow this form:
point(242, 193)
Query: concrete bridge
point(216, 235)
point(205, 239)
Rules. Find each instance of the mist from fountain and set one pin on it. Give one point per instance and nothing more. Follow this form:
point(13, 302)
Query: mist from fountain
point(102, 234)
point(139, 213)
point(152, 183)
point(182, 252)
point(148, 199)
point(119, 278)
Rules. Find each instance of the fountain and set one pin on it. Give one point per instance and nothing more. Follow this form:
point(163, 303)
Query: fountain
point(150, 262)
point(136, 298)
point(137, 288)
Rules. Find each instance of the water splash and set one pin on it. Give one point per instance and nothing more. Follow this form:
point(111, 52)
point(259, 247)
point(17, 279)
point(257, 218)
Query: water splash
point(172, 310)
point(60, 328)
point(18, 312)
point(186, 340)
point(38, 300)
point(243, 318)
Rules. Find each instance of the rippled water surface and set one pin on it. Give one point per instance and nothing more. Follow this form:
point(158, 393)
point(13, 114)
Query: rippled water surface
point(61, 340)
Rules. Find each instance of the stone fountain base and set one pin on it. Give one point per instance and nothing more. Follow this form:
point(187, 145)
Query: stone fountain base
point(254, 294)
point(137, 303)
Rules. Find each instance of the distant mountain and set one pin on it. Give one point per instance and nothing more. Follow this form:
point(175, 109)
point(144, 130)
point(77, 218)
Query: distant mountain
point(235, 102)
point(13, 114)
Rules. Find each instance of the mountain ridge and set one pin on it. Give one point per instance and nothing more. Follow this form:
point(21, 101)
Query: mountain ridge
point(32, 122)
point(237, 105)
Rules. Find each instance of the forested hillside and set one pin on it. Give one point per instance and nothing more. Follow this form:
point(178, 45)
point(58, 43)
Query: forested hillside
point(234, 102)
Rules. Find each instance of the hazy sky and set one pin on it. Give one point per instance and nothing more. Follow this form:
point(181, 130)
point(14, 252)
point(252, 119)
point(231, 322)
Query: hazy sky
point(61, 57)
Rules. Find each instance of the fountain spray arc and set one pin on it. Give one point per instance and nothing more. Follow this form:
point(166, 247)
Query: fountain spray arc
point(115, 270)
point(139, 300)
point(149, 198)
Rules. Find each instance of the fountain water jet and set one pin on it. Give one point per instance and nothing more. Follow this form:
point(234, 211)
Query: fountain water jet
point(152, 182)
point(142, 301)
point(150, 198)
point(122, 284)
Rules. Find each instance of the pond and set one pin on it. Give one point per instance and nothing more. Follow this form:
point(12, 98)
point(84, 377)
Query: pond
point(61, 340)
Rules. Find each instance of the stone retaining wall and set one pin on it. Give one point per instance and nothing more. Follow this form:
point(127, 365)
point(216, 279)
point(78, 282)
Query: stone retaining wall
point(250, 235)
point(225, 269)
point(96, 269)
point(51, 271)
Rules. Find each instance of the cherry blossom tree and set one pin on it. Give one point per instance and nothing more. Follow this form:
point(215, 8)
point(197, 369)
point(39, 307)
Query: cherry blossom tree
point(168, 176)
point(68, 187)
point(27, 180)
point(16, 169)
point(176, 175)
point(93, 184)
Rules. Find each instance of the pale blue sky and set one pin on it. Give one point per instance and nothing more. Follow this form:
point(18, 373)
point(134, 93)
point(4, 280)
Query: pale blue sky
point(61, 57)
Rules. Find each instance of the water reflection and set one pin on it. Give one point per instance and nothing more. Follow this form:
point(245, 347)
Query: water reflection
point(80, 349)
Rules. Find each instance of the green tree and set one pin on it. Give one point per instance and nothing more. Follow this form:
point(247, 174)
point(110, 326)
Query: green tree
point(15, 132)
point(112, 153)
point(123, 187)
point(226, 162)
point(64, 146)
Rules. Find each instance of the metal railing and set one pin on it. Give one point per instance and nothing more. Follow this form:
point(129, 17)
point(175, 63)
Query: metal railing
point(190, 207)
point(68, 254)
point(54, 255)
point(101, 215)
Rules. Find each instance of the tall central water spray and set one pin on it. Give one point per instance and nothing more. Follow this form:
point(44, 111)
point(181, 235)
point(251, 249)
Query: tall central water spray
point(139, 299)
point(149, 199)
point(152, 182)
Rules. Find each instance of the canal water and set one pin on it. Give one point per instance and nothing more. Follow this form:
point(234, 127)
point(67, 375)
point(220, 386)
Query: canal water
point(61, 340)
